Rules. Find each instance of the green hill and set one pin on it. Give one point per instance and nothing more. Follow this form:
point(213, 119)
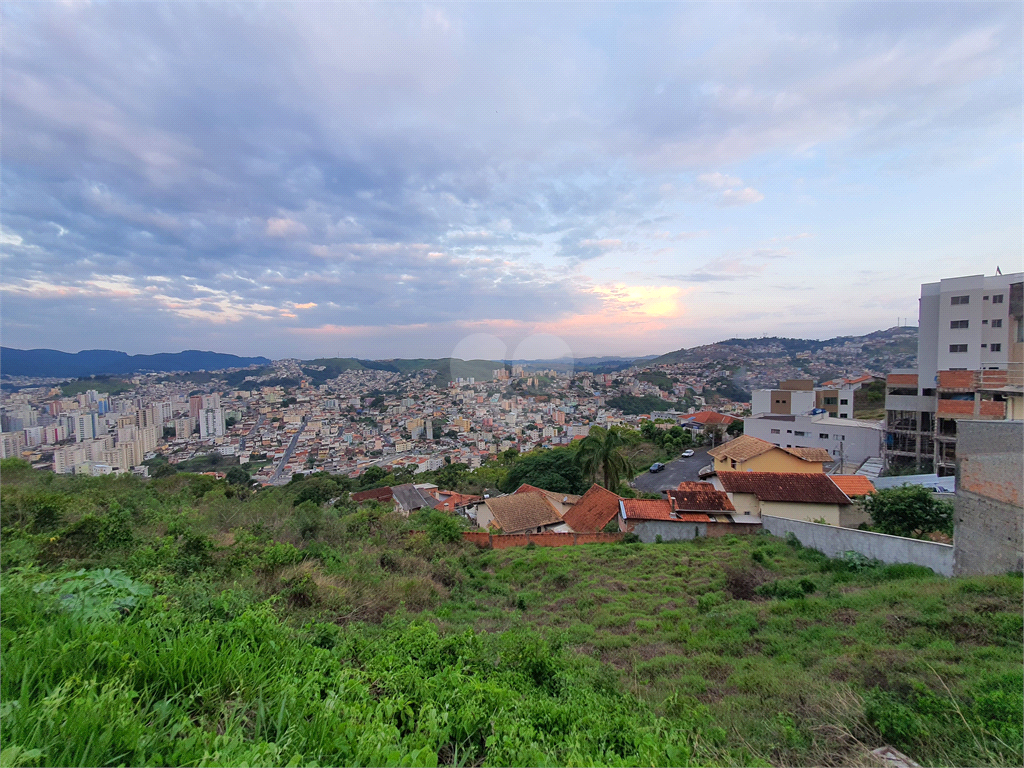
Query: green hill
point(186, 620)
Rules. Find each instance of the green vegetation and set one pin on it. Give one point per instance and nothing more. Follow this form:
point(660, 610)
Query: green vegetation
point(110, 385)
point(631, 405)
point(660, 380)
point(909, 510)
point(186, 621)
point(602, 451)
point(869, 401)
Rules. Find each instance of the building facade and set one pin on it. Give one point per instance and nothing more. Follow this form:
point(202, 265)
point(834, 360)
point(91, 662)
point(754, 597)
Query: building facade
point(970, 355)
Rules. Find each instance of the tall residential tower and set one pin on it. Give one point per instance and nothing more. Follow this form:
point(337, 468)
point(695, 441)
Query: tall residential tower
point(970, 365)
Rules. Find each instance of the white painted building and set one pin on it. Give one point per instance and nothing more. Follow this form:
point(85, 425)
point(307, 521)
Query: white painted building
point(853, 439)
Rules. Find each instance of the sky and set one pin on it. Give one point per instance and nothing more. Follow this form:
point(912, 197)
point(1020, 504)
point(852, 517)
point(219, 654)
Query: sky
point(513, 181)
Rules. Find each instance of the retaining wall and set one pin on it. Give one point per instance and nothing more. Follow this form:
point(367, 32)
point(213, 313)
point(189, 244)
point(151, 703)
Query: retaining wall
point(833, 541)
point(732, 529)
point(650, 530)
point(486, 540)
point(988, 532)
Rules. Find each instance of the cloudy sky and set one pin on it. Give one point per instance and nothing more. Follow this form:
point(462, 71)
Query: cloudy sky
point(413, 180)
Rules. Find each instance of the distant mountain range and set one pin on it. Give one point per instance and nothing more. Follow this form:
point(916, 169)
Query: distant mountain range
point(898, 342)
point(96, 362)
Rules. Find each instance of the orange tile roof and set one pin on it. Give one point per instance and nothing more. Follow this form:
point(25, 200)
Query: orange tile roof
point(809, 454)
point(853, 485)
point(699, 497)
point(742, 448)
point(711, 417)
point(522, 511)
point(646, 509)
point(382, 495)
point(560, 498)
point(805, 487)
point(593, 511)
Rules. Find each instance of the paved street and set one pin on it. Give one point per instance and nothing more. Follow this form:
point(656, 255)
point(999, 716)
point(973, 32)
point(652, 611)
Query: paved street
point(241, 443)
point(674, 473)
point(276, 479)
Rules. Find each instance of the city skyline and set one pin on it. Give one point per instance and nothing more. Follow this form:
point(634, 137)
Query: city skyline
point(498, 182)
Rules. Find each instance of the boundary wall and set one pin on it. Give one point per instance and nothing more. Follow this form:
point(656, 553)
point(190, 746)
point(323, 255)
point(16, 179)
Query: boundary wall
point(487, 540)
point(833, 541)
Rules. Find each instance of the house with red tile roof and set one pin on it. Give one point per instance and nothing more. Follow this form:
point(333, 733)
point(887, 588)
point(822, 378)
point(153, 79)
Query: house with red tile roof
point(594, 510)
point(793, 495)
point(651, 518)
point(527, 512)
point(562, 502)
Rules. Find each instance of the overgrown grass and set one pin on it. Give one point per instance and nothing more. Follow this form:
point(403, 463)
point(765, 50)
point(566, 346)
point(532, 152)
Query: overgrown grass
point(185, 621)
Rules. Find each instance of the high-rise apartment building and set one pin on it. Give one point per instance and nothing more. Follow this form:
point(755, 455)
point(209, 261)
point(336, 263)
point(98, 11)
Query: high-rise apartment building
point(970, 358)
point(211, 422)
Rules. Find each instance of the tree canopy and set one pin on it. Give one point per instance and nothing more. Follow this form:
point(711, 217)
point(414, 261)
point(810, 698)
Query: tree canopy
point(909, 510)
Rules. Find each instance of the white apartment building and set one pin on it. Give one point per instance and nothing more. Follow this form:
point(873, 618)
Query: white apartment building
point(211, 423)
point(970, 357)
point(85, 426)
point(853, 440)
point(800, 396)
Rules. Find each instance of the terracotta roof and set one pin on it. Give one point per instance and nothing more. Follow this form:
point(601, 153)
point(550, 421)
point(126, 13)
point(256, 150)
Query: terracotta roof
point(711, 417)
point(522, 511)
point(853, 485)
point(569, 498)
point(692, 517)
point(742, 448)
point(810, 454)
point(806, 487)
point(593, 511)
point(375, 494)
point(454, 500)
point(646, 509)
point(699, 497)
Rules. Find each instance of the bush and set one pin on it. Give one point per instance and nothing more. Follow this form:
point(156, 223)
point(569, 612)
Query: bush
point(629, 538)
point(442, 528)
point(909, 510)
point(786, 590)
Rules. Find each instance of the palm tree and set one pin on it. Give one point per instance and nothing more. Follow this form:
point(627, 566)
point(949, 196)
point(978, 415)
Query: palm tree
point(601, 450)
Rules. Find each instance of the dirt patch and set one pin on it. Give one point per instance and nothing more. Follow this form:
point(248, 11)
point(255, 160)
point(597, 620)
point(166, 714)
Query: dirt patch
point(896, 627)
point(846, 616)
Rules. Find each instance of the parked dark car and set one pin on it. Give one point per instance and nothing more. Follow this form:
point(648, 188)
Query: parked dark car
point(656, 467)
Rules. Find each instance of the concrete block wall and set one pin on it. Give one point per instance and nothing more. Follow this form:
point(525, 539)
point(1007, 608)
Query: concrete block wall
point(988, 531)
point(833, 541)
point(649, 530)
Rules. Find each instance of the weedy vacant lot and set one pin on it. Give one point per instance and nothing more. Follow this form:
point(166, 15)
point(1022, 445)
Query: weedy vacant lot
point(183, 621)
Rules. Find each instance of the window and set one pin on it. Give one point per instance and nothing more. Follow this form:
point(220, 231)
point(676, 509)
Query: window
point(799, 433)
point(997, 298)
point(733, 461)
point(823, 435)
point(984, 322)
point(957, 348)
point(842, 416)
point(789, 431)
point(844, 402)
point(996, 323)
point(995, 347)
point(955, 300)
point(984, 345)
point(829, 400)
point(775, 431)
point(958, 323)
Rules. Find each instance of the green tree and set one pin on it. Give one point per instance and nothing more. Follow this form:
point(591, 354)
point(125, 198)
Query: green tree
point(909, 510)
point(602, 450)
point(237, 476)
point(554, 470)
